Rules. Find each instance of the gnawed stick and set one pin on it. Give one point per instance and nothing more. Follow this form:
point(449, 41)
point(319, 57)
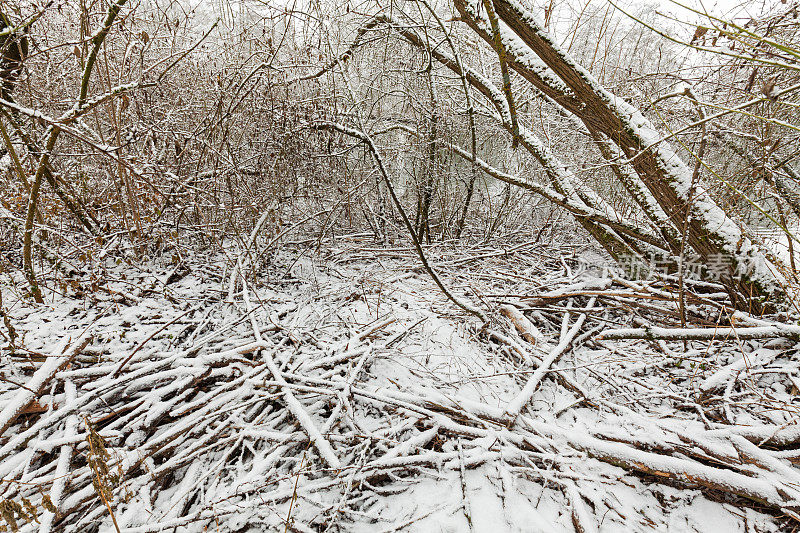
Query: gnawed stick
point(562, 377)
point(524, 397)
point(295, 407)
point(376, 326)
point(729, 373)
point(780, 436)
point(64, 457)
point(581, 517)
point(38, 383)
point(526, 329)
point(156, 332)
point(415, 442)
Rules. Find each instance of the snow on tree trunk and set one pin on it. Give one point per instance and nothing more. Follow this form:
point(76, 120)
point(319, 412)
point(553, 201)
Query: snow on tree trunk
point(751, 280)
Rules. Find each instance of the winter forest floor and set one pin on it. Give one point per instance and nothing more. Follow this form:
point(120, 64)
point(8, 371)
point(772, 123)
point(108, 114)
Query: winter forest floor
point(338, 390)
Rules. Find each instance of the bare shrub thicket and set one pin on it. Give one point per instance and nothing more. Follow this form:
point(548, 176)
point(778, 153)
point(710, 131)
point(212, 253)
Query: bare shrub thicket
point(635, 169)
point(193, 128)
point(186, 123)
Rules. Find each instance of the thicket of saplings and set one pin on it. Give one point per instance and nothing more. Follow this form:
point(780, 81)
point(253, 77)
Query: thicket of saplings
point(149, 128)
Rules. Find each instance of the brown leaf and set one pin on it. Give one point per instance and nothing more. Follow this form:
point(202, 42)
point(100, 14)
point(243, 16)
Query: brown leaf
point(33, 408)
point(125, 103)
point(699, 32)
point(769, 86)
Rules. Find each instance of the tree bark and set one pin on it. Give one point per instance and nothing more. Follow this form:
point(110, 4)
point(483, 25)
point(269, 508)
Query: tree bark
point(713, 235)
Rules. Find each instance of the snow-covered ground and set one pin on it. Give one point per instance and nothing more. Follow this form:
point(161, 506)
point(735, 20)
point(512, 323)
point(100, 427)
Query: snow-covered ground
point(341, 391)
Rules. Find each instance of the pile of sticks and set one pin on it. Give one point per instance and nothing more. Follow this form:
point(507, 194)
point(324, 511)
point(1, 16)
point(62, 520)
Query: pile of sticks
point(231, 427)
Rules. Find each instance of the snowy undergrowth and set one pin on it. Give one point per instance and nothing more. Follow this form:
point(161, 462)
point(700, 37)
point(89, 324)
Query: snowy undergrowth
point(407, 393)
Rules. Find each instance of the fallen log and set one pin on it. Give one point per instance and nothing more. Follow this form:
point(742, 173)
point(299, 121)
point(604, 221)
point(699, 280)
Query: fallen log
point(703, 334)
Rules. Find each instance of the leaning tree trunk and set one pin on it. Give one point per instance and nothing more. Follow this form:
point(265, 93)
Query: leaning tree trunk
point(750, 278)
